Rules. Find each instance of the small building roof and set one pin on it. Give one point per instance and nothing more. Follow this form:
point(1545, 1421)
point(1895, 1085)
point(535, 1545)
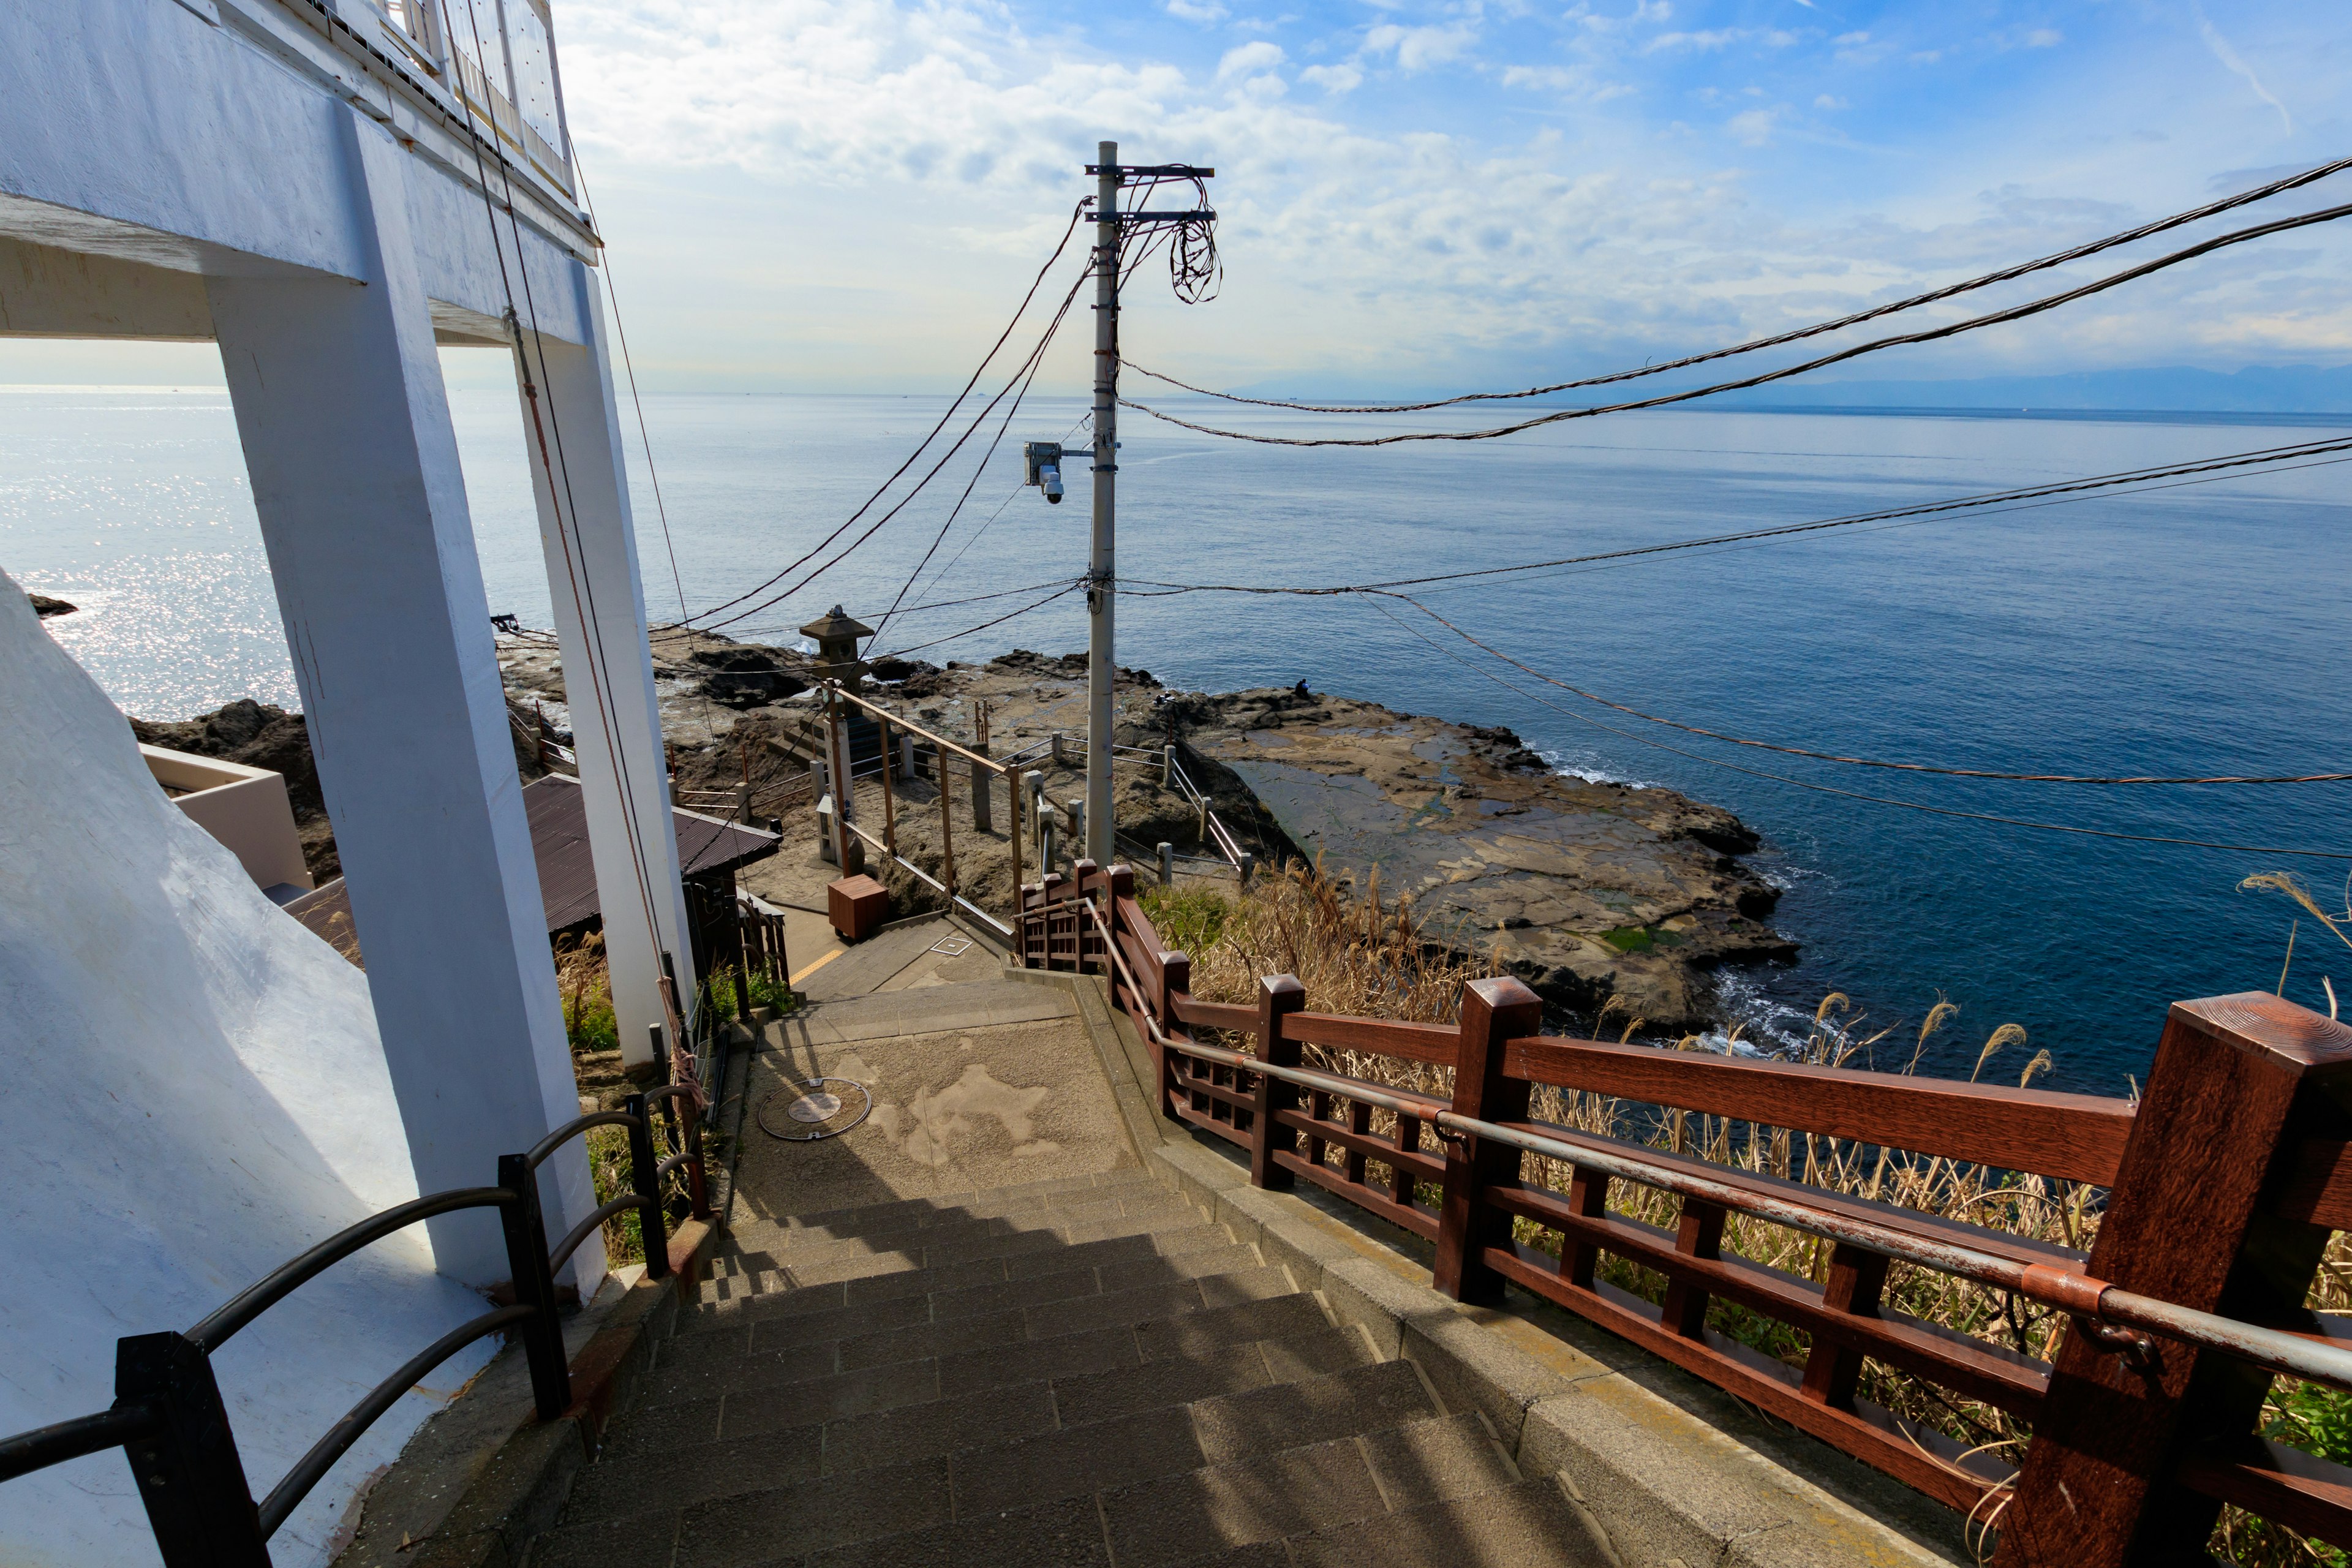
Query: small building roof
point(836, 622)
point(707, 845)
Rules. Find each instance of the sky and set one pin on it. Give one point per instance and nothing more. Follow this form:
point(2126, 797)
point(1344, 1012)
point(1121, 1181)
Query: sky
point(805, 196)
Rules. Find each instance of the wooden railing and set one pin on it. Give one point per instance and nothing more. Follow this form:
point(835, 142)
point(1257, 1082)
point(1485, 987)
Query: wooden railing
point(2222, 1186)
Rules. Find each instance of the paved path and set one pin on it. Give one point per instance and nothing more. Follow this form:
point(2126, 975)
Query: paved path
point(973, 1331)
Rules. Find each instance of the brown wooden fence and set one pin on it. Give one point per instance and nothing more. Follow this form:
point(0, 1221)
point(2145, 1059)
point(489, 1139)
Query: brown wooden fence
point(2224, 1184)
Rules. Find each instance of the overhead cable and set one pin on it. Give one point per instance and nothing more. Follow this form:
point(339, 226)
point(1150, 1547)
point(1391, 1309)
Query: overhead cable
point(1852, 795)
point(1931, 335)
point(1020, 371)
point(1858, 762)
point(2269, 458)
point(1875, 312)
point(1001, 338)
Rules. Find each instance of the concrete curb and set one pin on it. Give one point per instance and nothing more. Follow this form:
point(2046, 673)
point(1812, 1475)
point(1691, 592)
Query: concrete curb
point(1664, 1469)
point(479, 1480)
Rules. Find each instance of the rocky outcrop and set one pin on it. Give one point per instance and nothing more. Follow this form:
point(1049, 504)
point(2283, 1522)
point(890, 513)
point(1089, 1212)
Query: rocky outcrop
point(1584, 890)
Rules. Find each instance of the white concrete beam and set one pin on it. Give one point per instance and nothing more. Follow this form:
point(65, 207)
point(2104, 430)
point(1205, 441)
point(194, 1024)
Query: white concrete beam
point(581, 480)
point(132, 129)
point(347, 437)
point(46, 292)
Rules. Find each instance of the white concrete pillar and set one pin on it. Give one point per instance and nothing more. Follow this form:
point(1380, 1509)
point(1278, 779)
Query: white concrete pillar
point(590, 543)
point(347, 439)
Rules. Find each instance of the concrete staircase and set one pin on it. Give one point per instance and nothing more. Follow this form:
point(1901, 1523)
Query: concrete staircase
point(1078, 1371)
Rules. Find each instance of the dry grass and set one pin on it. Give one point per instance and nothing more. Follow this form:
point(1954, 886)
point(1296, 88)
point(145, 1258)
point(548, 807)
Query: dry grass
point(1354, 956)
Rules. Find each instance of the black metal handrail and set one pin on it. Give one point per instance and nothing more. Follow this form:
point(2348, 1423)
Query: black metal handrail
point(169, 1415)
point(312, 1467)
point(539, 1151)
point(257, 1298)
point(46, 1446)
point(579, 1233)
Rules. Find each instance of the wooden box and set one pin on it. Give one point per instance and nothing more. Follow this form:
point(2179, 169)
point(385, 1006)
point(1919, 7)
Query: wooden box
point(857, 906)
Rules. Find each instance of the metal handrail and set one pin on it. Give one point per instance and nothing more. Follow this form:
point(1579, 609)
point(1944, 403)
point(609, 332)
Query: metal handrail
point(561, 1252)
point(312, 1467)
point(540, 1151)
point(45, 1445)
point(2081, 1295)
point(259, 1297)
point(2078, 1294)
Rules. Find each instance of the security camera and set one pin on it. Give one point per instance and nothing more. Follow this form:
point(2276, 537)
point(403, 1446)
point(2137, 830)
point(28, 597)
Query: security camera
point(1044, 461)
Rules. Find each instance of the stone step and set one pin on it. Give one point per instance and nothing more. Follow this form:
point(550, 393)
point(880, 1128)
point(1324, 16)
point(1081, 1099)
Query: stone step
point(1219, 1513)
point(762, 1273)
point(1015, 1503)
point(1526, 1525)
point(750, 1302)
point(791, 1348)
point(915, 1213)
point(1013, 1443)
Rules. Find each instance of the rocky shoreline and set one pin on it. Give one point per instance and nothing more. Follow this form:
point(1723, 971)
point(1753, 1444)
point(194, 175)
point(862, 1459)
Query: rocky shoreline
point(1588, 891)
point(1597, 895)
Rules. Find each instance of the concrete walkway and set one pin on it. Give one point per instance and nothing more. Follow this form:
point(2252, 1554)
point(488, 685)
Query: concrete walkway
point(1009, 1317)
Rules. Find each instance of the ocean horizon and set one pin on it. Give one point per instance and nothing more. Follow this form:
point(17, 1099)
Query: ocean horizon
point(2182, 631)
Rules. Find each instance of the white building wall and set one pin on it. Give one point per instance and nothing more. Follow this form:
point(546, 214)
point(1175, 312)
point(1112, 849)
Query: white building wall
point(195, 1093)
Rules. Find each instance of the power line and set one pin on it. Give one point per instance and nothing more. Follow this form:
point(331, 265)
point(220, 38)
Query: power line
point(1852, 795)
point(1035, 364)
point(1932, 334)
point(1020, 371)
point(922, 447)
point(2006, 274)
point(917, 647)
point(599, 671)
point(1857, 761)
point(2271, 458)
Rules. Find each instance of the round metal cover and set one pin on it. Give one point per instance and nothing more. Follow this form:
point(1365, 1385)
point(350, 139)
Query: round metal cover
point(819, 1106)
point(822, 1107)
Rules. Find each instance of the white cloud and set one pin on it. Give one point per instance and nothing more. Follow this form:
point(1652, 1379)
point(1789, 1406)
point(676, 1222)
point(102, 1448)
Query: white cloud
point(1333, 80)
point(1418, 48)
point(1828, 102)
point(819, 190)
point(2044, 39)
point(2230, 58)
point(1191, 11)
point(1250, 60)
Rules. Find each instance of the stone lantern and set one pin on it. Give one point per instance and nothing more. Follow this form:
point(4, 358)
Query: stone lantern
point(837, 634)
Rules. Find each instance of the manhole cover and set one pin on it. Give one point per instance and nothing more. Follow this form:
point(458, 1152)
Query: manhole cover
point(822, 1107)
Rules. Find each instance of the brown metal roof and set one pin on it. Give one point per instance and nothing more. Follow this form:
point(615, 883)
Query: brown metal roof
point(567, 875)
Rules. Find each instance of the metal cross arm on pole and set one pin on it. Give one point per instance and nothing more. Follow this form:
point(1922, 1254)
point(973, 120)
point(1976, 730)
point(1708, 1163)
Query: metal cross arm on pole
point(1153, 170)
point(1204, 214)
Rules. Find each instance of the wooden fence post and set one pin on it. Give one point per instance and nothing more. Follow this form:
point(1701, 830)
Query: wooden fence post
point(1279, 996)
point(1493, 1011)
point(2237, 1080)
point(1175, 980)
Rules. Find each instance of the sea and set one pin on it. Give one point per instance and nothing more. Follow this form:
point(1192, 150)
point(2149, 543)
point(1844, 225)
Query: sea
point(2195, 630)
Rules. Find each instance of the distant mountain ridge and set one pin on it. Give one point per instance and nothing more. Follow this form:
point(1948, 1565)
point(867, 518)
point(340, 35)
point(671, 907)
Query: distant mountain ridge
point(2266, 389)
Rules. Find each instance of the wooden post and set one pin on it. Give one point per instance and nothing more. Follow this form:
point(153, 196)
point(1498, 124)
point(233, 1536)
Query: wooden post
point(947, 836)
point(1013, 843)
point(2237, 1080)
point(889, 802)
point(1587, 1195)
point(1117, 882)
point(1175, 980)
point(1493, 1011)
point(1279, 996)
point(1699, 1234)
point(1832, 1370)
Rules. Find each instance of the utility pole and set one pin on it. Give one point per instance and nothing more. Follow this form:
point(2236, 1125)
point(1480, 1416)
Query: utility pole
point(1043, 460)
point(1101, 562)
